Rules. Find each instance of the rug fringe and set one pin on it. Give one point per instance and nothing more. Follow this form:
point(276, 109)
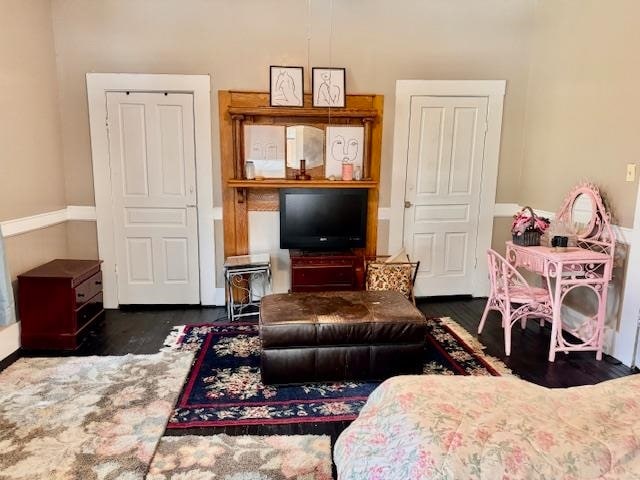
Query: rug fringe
point(172, 342)
point(476, 346)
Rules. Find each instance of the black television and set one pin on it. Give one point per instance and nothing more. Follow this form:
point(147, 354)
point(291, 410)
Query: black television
point(323, 218)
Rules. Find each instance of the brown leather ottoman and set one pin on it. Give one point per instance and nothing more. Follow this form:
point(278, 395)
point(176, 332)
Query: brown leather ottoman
point(314, 337)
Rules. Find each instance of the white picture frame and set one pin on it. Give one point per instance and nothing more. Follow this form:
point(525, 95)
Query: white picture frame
point(264, 145)
point(344, 144)
point(328, 86)
point(286, 86)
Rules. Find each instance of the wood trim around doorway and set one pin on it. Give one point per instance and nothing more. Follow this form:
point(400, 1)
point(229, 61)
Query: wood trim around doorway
point(98, 84)
point(494, 90)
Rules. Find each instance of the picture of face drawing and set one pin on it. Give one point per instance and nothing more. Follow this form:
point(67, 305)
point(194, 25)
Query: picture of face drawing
point(343, 145)
point(344, 150)
point(286, 86)
point(264, 145)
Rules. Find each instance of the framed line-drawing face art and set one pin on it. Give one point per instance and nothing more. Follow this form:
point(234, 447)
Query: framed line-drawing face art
point(328, 86)
point(344, 145)
point(286, 87)
point(264, 145)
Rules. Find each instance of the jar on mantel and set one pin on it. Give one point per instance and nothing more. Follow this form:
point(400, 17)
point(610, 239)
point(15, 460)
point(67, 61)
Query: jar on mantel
point(249, 170)
point(357, 173)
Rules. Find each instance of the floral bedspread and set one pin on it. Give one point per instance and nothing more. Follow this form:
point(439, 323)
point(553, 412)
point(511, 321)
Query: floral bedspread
point(441, 427)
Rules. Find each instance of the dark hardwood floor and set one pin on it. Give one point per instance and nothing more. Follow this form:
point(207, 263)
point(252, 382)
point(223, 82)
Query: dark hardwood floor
point(143, 330)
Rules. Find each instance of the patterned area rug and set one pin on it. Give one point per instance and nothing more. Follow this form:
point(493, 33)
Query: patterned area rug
point(86, 417)
point(223, 457)
point(224, 386)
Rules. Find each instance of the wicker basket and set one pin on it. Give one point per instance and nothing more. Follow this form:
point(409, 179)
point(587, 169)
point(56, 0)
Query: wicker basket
point(530, 237)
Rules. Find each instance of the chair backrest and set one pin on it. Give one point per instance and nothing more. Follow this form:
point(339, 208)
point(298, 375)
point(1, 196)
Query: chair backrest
point(504, 277)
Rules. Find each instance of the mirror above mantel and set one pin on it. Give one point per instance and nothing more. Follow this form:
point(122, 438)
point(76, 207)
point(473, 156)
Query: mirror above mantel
point(305, 142)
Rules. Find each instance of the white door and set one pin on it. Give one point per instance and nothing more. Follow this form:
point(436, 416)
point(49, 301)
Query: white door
point(442, 191)
point(153, 183)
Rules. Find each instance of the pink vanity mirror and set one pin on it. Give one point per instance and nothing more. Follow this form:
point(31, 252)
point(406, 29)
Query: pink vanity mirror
point(584, 210)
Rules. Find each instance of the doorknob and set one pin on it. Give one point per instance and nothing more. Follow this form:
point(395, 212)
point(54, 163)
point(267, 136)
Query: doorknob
point(407, 204)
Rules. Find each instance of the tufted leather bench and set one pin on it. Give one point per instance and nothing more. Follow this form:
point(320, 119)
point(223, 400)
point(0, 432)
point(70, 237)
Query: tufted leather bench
point(331, 336)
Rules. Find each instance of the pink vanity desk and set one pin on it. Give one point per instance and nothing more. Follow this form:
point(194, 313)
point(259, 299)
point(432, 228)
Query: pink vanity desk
point(579, 267)
point(589, 264)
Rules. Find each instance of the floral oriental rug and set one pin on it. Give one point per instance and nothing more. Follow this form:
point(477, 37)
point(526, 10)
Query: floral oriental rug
point(224, 387)
point(86, 417)
point(226, 457)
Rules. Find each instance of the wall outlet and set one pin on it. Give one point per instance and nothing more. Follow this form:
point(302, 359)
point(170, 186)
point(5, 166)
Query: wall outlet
point(631, 172)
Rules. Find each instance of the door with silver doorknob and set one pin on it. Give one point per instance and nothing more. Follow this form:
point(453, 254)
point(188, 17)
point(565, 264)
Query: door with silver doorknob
point(442, 191)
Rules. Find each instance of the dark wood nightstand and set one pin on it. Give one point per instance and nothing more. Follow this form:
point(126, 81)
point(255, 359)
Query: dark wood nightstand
point(58, 302)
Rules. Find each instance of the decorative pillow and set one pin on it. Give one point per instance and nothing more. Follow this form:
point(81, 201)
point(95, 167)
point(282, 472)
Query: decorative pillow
point(386, 276)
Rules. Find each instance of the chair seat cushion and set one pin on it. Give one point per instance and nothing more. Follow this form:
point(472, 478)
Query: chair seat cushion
point(521, 295)
point(339, 318)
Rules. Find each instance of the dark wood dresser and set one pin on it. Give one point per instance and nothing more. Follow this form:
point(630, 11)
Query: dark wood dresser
point(58, 302)
point(326, 271)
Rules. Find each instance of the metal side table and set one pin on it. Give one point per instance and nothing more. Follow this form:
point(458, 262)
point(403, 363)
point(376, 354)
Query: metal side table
point(249, 277)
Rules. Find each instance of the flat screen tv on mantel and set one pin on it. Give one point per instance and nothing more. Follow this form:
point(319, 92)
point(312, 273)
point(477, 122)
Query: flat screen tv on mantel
point(323, 218)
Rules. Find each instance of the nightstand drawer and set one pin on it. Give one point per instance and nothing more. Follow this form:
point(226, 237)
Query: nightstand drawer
point(90, 309)
point(88, 289)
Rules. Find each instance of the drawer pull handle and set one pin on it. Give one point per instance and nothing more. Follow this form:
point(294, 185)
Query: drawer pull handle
point(81, 295)
point(98, 282)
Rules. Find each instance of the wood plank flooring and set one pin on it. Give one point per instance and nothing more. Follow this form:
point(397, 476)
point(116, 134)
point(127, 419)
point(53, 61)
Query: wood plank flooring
point(142, 331)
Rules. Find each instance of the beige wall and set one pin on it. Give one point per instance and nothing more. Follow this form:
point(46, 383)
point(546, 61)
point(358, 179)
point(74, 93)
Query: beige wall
point(31, 168)
point(31, 249)
point(582, 100)
point(235, 42)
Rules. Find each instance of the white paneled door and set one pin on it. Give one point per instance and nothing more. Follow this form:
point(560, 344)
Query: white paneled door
point(153, 181)
point(442, 191)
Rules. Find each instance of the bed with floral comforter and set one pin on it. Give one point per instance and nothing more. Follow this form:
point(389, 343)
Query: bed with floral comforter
point(454, 427)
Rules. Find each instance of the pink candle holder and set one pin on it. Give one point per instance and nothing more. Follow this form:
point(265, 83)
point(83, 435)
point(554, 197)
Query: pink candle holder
point(347, 171)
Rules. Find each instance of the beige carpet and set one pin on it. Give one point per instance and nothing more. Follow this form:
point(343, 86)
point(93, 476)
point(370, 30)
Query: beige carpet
point(86, 417)
point(224, 457)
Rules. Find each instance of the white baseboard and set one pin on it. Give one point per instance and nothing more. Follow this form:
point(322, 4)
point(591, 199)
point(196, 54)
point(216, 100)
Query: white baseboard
point(9, 339)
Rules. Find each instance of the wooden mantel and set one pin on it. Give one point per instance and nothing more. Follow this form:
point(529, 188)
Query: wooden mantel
point(239, 108)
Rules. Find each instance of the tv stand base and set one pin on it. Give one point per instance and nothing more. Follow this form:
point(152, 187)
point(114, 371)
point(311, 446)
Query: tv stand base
point(326, 271)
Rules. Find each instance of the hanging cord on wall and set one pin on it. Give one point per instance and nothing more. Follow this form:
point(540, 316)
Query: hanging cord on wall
point(330, 44)
point(309, 32)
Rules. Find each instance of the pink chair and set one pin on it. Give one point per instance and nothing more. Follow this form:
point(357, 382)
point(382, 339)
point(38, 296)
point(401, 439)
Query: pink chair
point(513, 297)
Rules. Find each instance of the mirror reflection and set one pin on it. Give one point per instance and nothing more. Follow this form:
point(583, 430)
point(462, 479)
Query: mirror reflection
point(582, 212)
point(304, 141)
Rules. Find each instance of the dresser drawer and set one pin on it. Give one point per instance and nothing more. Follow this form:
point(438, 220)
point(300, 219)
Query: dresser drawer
point(329, 275)
point(88, 289)
point(89, 310)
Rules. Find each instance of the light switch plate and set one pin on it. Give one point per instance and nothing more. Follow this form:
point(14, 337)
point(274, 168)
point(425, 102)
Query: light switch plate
point(631, 172)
